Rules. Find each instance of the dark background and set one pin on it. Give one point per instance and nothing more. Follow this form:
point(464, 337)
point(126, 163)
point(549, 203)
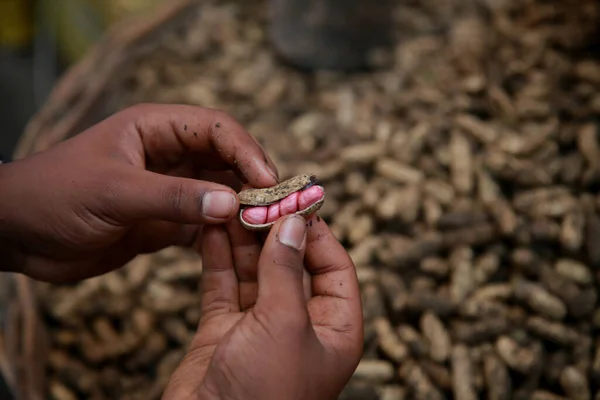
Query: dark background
point(16, 97)
point(27, 74)
point(16, 107)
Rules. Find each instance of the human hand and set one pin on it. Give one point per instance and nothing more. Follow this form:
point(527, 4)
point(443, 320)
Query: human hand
point(259, 337)
point(134, 183)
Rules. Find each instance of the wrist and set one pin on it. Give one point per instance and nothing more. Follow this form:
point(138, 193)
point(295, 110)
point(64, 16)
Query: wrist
point(11, 257)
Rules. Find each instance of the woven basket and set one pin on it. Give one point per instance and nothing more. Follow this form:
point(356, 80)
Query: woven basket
point(78, 101)
point(79, 98)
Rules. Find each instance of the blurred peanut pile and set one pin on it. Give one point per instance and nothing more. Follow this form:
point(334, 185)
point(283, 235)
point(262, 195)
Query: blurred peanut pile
point(462, 175)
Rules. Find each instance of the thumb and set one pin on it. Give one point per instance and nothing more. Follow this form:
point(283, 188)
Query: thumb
point(281, 267)
point(150, 195)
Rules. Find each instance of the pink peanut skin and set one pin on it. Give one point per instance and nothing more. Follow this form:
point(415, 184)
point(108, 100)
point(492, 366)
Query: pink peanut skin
point(294, 202)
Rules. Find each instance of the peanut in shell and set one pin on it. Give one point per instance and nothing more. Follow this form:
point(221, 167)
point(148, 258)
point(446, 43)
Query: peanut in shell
point(266, 196)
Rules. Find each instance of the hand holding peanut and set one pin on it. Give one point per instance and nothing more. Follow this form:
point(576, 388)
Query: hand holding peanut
point(145, 178)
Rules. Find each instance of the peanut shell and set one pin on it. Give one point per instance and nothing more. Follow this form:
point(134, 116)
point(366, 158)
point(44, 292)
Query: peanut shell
point(267, 196)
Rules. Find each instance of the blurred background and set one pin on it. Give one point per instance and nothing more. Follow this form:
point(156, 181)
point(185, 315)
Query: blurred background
point(39, 39)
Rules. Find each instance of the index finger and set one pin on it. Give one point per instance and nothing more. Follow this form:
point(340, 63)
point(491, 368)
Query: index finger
point(169, 132)
point(336, 303)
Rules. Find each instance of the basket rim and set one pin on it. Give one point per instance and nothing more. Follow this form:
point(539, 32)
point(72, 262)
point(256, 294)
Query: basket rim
point(109, 53)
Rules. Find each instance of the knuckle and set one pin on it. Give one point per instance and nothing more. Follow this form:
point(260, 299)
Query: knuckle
point(220, 116)
point(140, 114)
point(175, 197)
point(219, 120)
point(134, 117)
point(132, 113)
point(136, 109)
point(215, 302)
point(291, 263)
point(112, 194)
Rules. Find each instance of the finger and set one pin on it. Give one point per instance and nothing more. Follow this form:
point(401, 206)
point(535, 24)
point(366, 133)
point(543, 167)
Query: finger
point(281, 266)
point(219, 282)
point(226, 178)
point(246, 253)
point(307, 284)
point(168, 132)
point(154, 235)
point(258, 239)
point(269, 159)
point(148, 237)
point(336, 305)
point(139, 194)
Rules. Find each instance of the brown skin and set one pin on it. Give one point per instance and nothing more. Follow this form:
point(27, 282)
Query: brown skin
point(134, 183)
point(259, 338)
point(137, 182)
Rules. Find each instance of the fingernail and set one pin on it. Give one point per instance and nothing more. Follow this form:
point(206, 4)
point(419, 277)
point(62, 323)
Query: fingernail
point(218, 204)
point(292, 232)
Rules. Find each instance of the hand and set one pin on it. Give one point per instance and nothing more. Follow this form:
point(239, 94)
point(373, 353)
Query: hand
point(134, 183)
point(259, 337)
